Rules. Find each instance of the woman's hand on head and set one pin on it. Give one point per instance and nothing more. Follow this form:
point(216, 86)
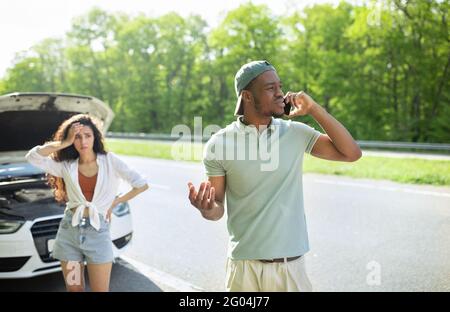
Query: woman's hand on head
point(74, 129)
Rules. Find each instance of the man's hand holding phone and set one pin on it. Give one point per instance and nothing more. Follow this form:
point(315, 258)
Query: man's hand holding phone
point(298, 104)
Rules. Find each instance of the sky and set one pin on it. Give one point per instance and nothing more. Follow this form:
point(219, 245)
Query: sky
point(24, 23)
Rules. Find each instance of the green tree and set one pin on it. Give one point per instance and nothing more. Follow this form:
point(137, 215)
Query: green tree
point(248, 33)
point(381, 68)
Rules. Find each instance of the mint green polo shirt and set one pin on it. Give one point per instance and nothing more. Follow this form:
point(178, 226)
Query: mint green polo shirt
point(264, 189)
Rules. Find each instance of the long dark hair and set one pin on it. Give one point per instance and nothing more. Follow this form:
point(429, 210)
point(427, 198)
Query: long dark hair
point(70, 153)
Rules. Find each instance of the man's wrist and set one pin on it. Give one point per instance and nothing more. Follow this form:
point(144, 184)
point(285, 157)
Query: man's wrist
point(317, 110)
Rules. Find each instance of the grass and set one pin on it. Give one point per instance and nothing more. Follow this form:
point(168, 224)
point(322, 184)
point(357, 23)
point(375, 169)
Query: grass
point(154, 149)
point(404, 170)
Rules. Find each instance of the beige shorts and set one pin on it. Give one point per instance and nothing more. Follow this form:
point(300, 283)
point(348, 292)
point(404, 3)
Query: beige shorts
point(254, 275)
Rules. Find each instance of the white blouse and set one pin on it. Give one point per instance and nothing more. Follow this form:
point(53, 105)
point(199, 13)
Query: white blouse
point(110, 170)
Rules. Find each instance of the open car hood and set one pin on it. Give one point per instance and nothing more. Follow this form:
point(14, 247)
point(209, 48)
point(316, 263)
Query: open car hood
point(30, 119)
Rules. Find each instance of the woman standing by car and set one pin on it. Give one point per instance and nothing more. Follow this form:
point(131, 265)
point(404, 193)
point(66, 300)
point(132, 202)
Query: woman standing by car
point(85, 177)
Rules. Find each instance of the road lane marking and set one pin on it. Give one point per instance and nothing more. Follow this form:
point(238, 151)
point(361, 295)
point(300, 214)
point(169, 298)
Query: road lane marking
point(384, 188)
point(160, 277)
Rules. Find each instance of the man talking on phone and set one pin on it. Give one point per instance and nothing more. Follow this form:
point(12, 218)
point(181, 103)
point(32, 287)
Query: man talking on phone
point(266, 219)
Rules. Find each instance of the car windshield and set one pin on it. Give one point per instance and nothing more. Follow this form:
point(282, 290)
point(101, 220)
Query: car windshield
point(13, 170)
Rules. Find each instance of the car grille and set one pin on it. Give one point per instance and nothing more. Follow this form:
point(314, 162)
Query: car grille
point(42, 231)
point(12, 264)
point(123, 241)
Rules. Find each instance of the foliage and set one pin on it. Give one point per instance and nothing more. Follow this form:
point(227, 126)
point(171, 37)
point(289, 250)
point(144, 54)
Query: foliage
point(381, 68)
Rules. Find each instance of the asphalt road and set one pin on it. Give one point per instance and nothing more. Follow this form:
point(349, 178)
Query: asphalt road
point(124, 278)
point(364, 235)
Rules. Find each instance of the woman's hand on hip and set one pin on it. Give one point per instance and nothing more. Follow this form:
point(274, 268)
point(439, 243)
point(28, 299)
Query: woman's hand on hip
point(109, 212)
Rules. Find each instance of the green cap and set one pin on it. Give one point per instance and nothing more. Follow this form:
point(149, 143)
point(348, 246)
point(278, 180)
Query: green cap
point(244, 76)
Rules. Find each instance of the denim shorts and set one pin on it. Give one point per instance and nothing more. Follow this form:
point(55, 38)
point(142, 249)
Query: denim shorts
point(83, 242)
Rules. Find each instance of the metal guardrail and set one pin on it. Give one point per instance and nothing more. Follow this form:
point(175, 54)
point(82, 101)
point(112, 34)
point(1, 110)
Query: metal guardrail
point(405, 145)
point(149, 136)
point(363, 144)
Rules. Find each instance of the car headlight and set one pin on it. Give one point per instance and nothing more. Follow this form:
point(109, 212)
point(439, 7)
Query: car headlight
point(10, 226)
point(121, 209)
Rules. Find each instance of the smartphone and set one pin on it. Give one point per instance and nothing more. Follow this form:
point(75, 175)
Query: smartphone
point(287, 107)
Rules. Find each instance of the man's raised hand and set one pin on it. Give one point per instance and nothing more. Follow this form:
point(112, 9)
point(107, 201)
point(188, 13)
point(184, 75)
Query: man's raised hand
point(204, 199)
